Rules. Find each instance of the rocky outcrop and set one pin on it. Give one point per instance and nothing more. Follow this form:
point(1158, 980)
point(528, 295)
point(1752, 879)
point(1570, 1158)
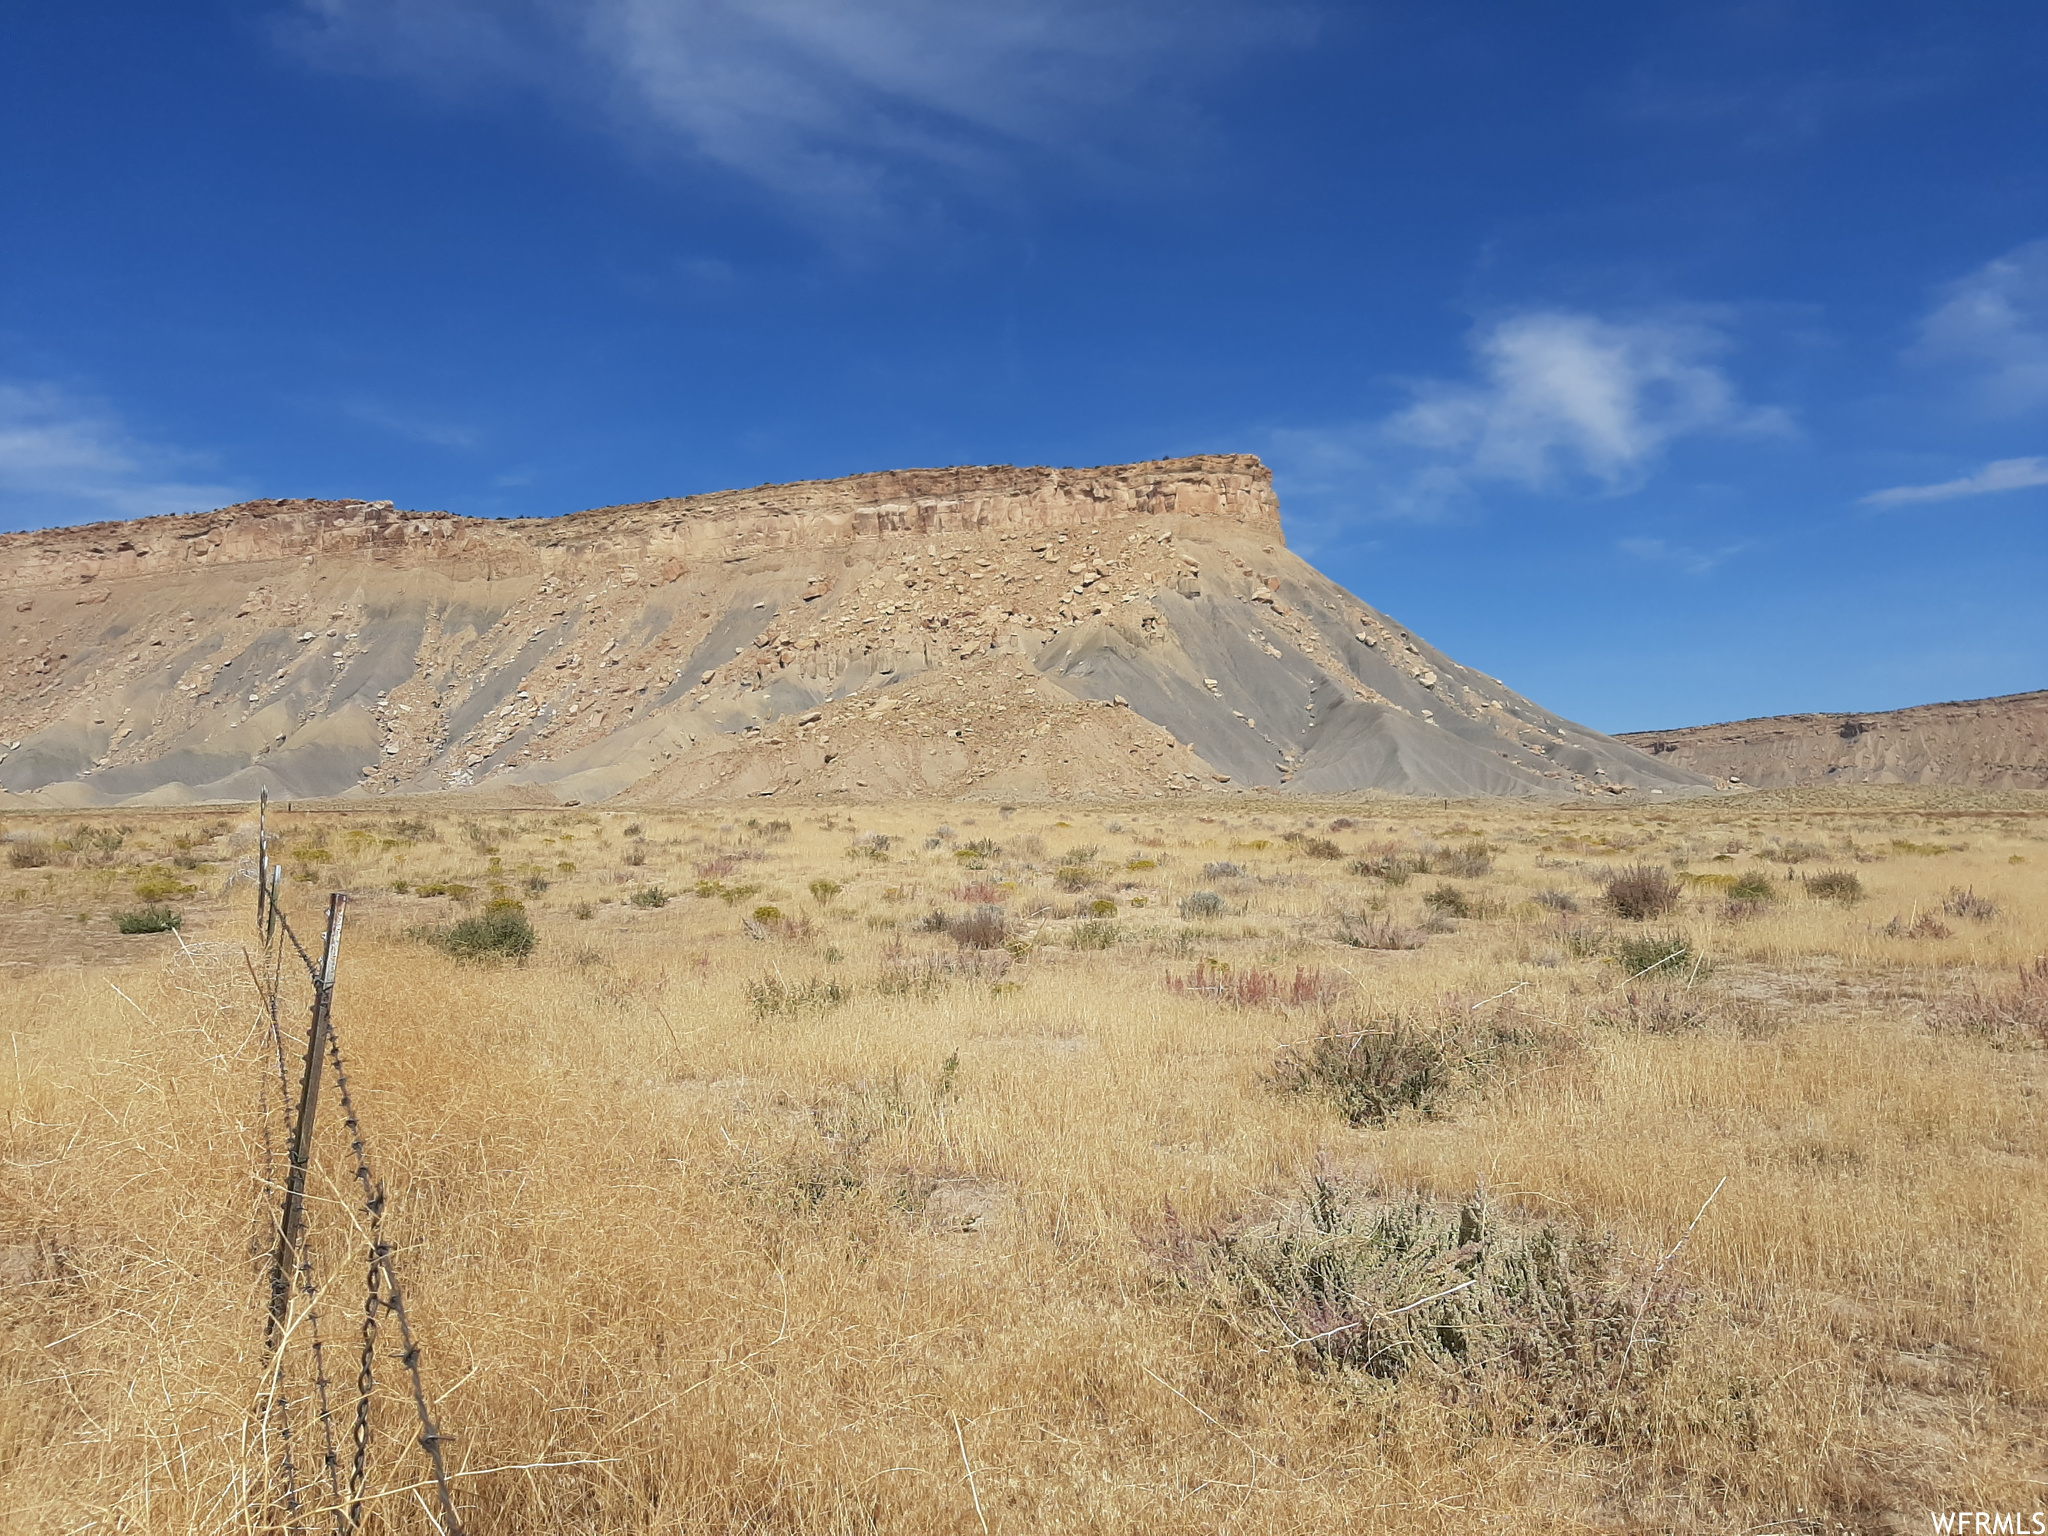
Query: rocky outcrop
point(1999, 743)
point(651, 537)
point(1137, 628)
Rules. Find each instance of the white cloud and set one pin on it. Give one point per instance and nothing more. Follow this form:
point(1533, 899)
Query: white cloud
point(1993, 324)
point(839, 107)
point(1566, 395)
point(1999, 475)
point(1561, 401)
point(65, 460)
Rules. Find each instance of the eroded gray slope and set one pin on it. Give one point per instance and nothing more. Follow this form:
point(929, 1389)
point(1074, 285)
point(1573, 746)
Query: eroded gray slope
point(541, 655)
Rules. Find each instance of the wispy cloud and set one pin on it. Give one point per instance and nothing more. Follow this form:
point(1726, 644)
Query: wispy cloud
point(1559, 401)
point(1993, 325)
point(1694, 562)
point(65, 460)
point(1999, 475)
point(411, 425)
point(842, 109)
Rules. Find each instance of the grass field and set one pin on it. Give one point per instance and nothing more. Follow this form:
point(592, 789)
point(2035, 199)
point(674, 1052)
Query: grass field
point(1231, 1166)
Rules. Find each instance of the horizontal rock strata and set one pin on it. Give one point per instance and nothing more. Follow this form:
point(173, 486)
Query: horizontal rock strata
point(1999, 743)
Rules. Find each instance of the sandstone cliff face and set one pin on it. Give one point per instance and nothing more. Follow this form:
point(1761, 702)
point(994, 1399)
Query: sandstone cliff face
point(1137, 628)
point(1225, 489)
point(1999, 743)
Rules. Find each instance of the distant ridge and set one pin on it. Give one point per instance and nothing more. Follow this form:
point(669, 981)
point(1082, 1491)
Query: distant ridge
point(996, 631)
point(1997, 743)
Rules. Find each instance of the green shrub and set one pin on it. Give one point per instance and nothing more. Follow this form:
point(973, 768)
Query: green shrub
point(1661, 954)
point(1373, 1070)
point(1843, 885)
point(1468, 862)
point(649, 896)
point(502, 931)
point(1102, 906)
point(822, 891)
point(1525, 1322)
point(1448, 900)
point(1755, 885)
point(154, 918)
point(1368, 1074)
point(767, 914)
point(158, 885)
point(731, 895)
point(1582, 942)
point(773, 995)
point(1094, 935)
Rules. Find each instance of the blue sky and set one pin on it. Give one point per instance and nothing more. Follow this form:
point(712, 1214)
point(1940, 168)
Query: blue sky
point(1675, 363)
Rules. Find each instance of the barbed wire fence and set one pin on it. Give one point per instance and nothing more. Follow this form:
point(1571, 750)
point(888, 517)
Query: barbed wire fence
point(318, 1437)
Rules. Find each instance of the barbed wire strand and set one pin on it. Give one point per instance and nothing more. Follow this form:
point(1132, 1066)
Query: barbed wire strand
point(391, 1299)
point(383, 1296)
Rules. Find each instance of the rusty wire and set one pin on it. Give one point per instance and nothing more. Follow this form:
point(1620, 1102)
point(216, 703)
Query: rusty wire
point(292, 1272)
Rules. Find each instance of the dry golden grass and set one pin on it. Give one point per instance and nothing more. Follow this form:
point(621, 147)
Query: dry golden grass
point(696, 1242)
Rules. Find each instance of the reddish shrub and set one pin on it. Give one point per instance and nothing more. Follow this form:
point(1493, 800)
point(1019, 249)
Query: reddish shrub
point(1254, 988)
point(1642, 890)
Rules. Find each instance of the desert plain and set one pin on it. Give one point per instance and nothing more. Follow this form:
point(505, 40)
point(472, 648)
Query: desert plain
point(1371, 1164)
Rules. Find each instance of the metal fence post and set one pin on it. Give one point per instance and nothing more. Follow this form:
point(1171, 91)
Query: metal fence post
point(292, 1225)
point(262, 854)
